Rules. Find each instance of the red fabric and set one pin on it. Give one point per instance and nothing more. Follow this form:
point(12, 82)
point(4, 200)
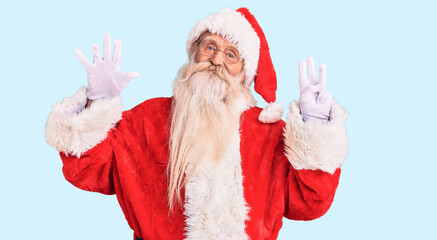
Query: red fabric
point(131, 163)
point(265, 80)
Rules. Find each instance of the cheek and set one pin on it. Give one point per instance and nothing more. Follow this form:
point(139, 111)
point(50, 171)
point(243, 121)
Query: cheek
point(235, 69)
point(199, 58)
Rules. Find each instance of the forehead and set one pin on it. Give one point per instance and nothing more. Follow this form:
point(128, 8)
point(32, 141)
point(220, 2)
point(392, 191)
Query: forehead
point(218, 39)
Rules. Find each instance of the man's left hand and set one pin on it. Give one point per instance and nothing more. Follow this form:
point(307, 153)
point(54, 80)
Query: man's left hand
point(315, 100)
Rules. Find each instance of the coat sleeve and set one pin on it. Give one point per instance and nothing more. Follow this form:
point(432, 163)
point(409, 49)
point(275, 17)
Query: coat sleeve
point(85, 140)
point(315, 151)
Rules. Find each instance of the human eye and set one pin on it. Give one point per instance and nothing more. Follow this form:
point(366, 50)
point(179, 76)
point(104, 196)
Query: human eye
point(231, 54)
point(209, 47)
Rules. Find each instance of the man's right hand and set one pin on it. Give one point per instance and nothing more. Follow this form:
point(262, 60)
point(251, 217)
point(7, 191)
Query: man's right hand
point(105, 80)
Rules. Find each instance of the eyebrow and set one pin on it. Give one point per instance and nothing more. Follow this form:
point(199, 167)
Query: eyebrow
point(209, 38)
point(229, 45)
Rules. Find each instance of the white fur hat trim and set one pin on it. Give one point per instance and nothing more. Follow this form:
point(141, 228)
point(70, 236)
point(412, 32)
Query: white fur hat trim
point(234, 27)
point(272, 113)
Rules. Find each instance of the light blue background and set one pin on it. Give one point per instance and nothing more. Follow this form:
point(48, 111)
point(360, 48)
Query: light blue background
point(381, 58)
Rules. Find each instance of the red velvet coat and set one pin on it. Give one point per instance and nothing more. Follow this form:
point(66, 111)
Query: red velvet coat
point(131, 163)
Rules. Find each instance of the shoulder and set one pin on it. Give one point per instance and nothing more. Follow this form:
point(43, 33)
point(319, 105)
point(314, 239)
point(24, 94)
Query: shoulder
point(264, 137)
point(153, 106)
point(153, 111)
point(252, 128)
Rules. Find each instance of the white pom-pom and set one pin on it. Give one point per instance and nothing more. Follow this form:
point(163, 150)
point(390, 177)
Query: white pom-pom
point(272, 113)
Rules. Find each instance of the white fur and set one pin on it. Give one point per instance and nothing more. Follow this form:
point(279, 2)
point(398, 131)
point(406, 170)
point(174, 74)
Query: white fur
point(235, 28)
point(75, 133)
point(215, 206)
point(314, 144)
point(272, 113)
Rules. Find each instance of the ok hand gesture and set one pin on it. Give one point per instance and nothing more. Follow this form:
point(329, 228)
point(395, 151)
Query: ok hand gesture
point(105, 80)
point(315, 100)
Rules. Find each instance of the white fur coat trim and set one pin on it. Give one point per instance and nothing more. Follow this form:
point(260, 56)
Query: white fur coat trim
point(314, 144)
point(234, 27)
point(75, 133)
point(214, 203)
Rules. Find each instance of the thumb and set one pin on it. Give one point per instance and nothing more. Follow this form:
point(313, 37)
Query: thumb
point(124, 78)
point(131, 75)
point(82, 59)
point(323, 97)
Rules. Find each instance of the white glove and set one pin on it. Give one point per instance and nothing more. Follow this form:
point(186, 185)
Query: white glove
point(315, 100)
point(105, 80)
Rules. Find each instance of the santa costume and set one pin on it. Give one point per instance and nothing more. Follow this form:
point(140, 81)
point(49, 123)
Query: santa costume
point(271, 169)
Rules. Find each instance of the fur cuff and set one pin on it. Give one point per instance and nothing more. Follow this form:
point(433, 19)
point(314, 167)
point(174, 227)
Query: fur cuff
point(314, 144)
point(76, 133)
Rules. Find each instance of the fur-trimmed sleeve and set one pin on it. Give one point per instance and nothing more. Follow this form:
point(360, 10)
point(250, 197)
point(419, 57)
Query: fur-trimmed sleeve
point(75, 133)
point(316, 145)
point(315, 151)
point(85, 140)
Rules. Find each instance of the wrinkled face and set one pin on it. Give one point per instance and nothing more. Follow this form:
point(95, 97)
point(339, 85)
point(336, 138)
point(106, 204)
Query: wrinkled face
point(220, 52)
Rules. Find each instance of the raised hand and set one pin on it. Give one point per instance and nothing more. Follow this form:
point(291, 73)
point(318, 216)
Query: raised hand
point(315, 100)
point(105, 80)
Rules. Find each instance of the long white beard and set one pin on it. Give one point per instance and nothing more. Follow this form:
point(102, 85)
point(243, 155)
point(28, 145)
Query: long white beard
point(204, 152)
point(206, 108)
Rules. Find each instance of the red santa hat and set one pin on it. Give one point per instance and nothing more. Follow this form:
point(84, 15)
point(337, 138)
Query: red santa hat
point(241, 28)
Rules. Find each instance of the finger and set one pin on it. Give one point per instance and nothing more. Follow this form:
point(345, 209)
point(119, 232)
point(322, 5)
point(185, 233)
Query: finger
point(82, 58)
point(311, 71)
point(322, 75)
point(125, 78)
point(117, 52)
point(96, 53)
point(303, 80)
point(107, 47)
point(132, 74)
point(324, 96)
point(316, 88)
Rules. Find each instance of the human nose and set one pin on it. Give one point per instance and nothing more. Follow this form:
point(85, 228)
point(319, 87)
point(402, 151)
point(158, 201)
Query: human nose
point(217, 58)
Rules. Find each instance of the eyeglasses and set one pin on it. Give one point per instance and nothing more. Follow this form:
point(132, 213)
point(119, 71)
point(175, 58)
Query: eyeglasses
point(208, 47)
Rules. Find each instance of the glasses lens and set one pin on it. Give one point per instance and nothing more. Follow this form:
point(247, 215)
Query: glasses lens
point(208, 47)
point(231, 55)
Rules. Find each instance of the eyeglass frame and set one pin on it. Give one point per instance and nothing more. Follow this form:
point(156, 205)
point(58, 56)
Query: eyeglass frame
point(200, 41)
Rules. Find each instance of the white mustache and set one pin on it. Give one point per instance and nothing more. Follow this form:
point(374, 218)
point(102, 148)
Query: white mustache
point(196, 68)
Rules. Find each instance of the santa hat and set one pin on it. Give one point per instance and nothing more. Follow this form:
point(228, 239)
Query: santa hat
point(241, 28)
